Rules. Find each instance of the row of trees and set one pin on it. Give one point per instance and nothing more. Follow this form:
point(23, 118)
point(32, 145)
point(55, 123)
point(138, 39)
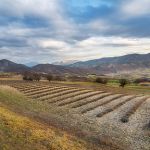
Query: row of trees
point(28, 76)
point(37, 77)
point(31, 77)
point(122, 82)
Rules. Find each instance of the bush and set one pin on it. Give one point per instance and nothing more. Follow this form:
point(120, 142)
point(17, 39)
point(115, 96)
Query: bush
point(59, 78)
point(149, 125)
point(101, 80)
point(31, 77)
point(78, 78)
point(123, 82)
point(36, 77)
point(49, 77)
point(27, 77)
point(124, 119)
point(141, 80)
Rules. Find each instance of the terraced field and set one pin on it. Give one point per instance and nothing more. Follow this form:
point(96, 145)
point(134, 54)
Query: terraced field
point(117, 116)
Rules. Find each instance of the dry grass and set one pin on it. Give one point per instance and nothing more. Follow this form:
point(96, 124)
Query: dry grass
point(17, 132)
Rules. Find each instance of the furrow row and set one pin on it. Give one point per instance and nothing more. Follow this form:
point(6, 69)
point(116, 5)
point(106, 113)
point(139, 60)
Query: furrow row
point(77, 99)
point(108, 110)
point(92, 100)
point(68, 96)
point(132, 110)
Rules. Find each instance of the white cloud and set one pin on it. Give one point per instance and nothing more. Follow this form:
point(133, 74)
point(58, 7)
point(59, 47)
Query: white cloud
point(63, 39)
point(18, 8)
point(98, 47)
point(52, 50)
point(52, 44)
point(135, 8)
point(50, 10)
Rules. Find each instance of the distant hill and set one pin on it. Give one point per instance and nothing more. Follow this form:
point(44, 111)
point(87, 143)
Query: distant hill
point(31, 64)
point(59, 70)
point(122, 64)
point(9, 66)
point(117, 64)
point(65, 63)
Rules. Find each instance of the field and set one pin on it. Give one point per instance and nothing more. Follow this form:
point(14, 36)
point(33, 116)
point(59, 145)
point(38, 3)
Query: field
point(107, 119)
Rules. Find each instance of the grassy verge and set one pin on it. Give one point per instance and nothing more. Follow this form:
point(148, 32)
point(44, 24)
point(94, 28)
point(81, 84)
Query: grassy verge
point(111, 87)
point(17, 132)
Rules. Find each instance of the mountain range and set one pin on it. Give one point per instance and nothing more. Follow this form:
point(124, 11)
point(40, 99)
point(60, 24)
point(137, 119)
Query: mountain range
point(124, 63)
point(9, 66)
point(108, 65)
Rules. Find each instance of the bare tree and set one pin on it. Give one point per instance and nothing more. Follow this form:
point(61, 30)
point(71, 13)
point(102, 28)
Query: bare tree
point(49, 77)
point(123, 82)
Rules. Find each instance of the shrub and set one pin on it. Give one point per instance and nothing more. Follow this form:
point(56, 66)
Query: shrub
point(49, 77)
point(36, 77)
point(59, 78)
point(140, 80)
point(123, 82)
point(78, 78)
point(31, 77)
point(124, 119)
point(27, 77)
point(149, 125)
point(101, 80)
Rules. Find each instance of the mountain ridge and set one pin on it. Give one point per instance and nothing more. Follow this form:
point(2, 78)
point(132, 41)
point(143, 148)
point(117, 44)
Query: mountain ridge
point(9, 66)
point(106, 65)
point(124, 63)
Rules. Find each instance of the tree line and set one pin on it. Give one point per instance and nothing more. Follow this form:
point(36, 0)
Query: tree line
point(28, 76)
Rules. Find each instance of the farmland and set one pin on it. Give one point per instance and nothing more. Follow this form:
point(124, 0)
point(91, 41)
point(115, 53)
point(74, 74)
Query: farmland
point(102, 117)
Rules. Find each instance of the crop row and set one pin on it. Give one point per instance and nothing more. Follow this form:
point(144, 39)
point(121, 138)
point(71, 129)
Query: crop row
point(102, 103)
point(132, 110)
point(68, 96)
point(57, 93)
point(77, 99)
point(94, 99)
point(115, 107)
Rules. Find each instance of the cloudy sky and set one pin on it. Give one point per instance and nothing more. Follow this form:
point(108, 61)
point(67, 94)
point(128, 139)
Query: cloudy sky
point(47, 31)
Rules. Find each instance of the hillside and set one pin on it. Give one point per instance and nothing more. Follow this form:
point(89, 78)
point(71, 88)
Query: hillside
point(117, 64)
point(59, 70)
point(19, 130)
point(123, 64)
point(9, 66)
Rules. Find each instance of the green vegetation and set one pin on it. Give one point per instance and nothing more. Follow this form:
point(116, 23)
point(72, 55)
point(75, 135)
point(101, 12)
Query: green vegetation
point(101, 80)
point(111, 86)
point(123, 82)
